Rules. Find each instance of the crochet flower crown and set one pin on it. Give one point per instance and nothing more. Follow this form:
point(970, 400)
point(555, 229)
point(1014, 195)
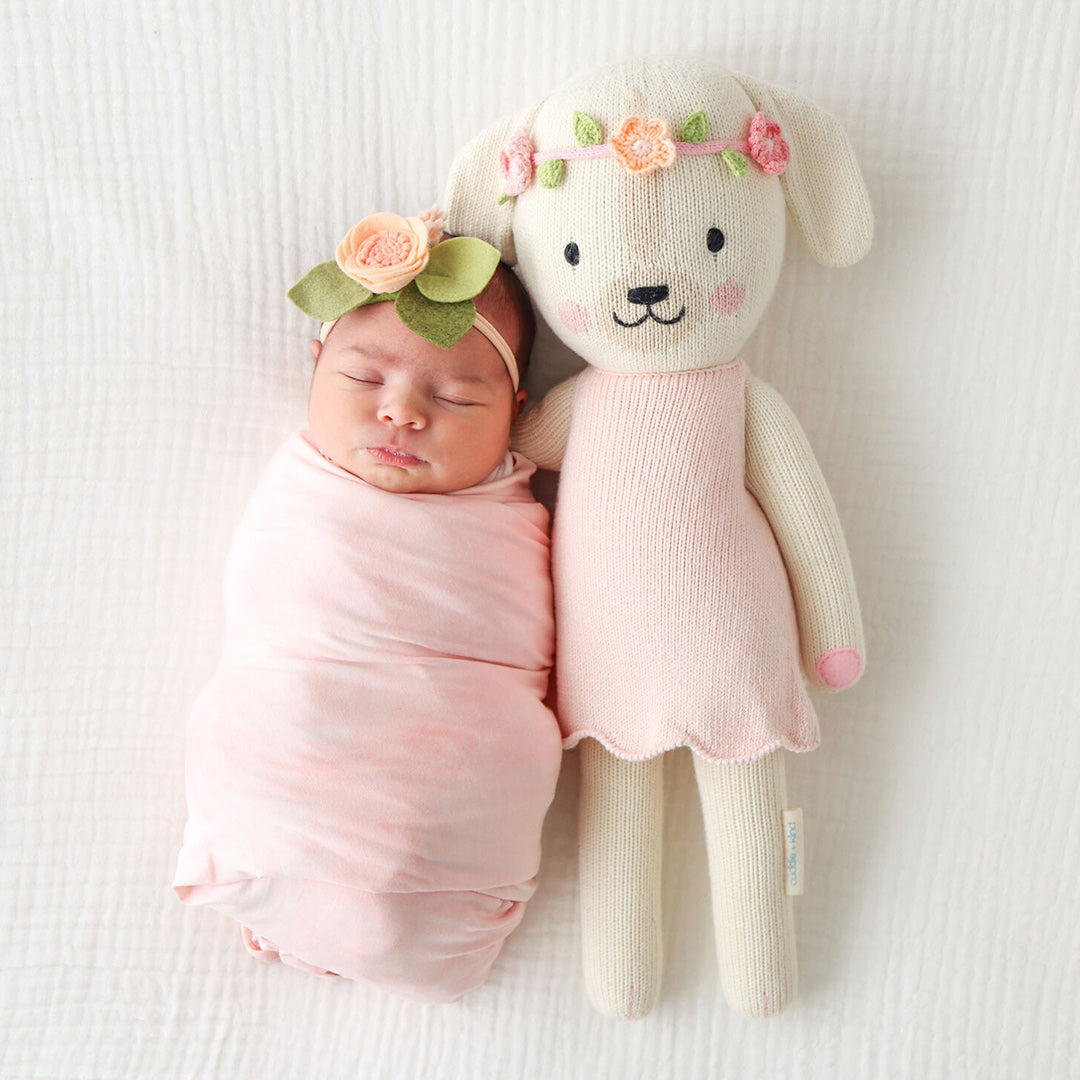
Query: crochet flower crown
point(641, 146)
point(386, 257)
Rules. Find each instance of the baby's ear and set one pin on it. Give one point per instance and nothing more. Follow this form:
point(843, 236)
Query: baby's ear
point(476, 185)
point(825, 192)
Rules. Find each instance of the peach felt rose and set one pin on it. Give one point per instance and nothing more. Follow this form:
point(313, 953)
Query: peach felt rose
point(384, 252)
point(643, 145)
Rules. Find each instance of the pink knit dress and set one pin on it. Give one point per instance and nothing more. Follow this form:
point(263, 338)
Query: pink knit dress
point(675, 624)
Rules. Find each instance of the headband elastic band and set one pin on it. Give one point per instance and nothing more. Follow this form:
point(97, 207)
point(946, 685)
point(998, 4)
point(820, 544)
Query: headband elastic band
point(496, 339)
point(482, 325)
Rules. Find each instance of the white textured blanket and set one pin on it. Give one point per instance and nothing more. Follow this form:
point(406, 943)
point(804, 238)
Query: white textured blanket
point(168, 168)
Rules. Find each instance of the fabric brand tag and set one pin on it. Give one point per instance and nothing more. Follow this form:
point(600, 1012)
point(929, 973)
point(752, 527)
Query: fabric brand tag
point(793, 852)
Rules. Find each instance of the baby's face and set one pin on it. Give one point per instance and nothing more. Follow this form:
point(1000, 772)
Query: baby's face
point(403, 414)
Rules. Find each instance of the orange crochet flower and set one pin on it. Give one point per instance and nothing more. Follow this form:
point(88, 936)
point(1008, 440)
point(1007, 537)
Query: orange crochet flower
point(643, 145)
point(385, 252)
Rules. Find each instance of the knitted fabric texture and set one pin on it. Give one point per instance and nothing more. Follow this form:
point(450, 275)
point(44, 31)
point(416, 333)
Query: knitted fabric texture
point(688, 495)
point(782, 474)
point(620, 829)
point(752, 913)
point(676, 623)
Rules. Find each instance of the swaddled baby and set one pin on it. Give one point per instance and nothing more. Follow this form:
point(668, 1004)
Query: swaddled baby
point(369, 768)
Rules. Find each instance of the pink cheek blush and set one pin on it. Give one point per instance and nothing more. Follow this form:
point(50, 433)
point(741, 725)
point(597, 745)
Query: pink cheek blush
point(727, 299)
point(574, 317)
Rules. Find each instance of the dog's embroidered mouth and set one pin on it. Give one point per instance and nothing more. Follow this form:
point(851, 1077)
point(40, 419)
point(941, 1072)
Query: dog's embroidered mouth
point(649, 315)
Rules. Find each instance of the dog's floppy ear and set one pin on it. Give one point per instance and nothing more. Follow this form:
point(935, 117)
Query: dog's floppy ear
point(476, 185)
point(825, 192)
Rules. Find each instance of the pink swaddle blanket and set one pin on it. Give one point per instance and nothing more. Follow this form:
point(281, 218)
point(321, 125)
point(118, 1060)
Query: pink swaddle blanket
point(369, 768)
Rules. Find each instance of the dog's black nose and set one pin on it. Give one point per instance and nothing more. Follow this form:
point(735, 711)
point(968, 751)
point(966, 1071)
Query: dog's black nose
point(651, 294)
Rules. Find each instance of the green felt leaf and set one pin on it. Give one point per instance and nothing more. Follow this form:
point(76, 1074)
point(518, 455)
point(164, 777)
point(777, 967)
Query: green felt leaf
point(457, 269)
point(503, 198)
point(375, 298)
point(326, 292)
point(550, 174)
point(441, 324)
point(735, 162)
point(586, 130)
point(693, 129)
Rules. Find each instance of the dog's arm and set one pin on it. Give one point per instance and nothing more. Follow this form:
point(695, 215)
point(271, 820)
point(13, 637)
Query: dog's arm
point(540, 433)
point(784, 477)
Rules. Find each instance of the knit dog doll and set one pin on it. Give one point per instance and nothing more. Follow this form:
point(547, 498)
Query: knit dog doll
point(697, 555)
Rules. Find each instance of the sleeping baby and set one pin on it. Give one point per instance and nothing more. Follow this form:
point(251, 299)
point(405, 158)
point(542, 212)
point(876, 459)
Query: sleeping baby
point(369, 767)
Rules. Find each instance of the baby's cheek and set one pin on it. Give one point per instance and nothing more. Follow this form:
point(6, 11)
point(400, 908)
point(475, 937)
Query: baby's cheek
point(574, 317)
point(727, 298)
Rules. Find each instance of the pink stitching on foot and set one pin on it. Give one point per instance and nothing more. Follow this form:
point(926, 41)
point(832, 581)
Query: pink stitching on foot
point(766, 997)
point(630, 1009)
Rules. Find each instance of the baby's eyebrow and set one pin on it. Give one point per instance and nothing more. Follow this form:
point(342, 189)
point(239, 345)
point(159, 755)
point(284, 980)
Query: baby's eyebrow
point(370, 350)
point(463, 376)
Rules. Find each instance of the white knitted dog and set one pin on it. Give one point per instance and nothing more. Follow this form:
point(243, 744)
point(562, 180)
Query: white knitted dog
point(697, 556)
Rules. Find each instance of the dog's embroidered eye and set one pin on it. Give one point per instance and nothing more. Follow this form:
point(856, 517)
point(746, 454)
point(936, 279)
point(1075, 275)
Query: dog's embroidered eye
point(572, 254)
point(715, 240)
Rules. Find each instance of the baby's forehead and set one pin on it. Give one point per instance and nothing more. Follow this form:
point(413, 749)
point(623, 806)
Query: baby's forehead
point(377, 336)
point(465, 362)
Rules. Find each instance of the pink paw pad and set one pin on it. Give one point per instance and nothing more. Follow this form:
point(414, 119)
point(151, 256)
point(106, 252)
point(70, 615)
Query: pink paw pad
point(839, 668)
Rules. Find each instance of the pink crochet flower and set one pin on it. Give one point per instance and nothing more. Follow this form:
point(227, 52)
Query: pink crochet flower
point(515, 162)
point(767, 148)
point(643, 145)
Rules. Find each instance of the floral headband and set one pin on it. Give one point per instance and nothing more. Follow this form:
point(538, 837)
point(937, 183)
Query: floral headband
point(642, 146)
point(432, 284)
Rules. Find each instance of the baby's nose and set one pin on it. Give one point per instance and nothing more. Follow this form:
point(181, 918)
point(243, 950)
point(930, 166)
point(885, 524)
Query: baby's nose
point(400, 411)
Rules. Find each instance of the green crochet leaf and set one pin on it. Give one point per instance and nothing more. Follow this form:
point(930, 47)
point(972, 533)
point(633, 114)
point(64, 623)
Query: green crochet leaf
point(586, 130)
point(457, 269)
point(441, 324)
point(693, 129)
point(503, 198)
point(326, 292)
point(735, 162)
point(550, 174)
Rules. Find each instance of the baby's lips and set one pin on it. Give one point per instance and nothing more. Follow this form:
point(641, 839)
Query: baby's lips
point(839, 668)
